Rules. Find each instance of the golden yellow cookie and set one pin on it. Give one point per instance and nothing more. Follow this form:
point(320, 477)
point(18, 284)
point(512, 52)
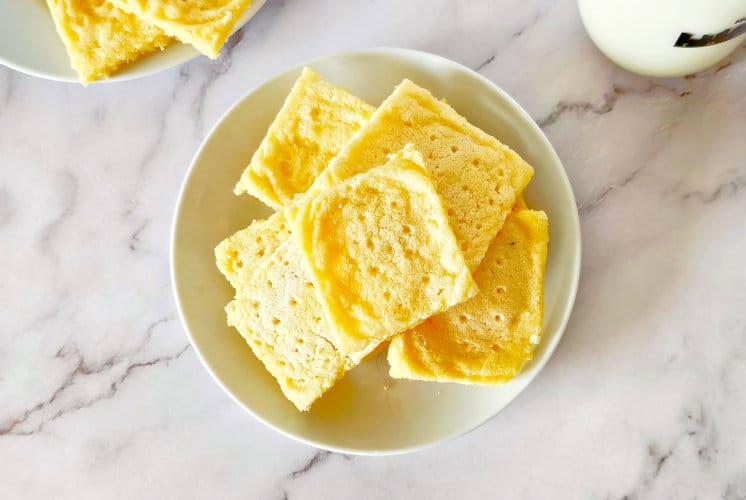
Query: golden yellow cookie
point(487, 339)
point(477, 177)
point(206, 24)
point(380, 252)
point(315, 122)
point(101, 38)
point(276, 311)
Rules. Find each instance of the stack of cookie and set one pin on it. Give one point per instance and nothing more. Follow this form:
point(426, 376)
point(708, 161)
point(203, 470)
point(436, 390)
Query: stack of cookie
point(401, 226)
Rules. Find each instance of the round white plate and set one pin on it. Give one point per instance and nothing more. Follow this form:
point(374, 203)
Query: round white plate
point(366, 412)
point(29, 43)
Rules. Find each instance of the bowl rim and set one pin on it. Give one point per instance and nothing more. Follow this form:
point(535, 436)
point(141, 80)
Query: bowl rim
point(127, 75)
point(574, 265)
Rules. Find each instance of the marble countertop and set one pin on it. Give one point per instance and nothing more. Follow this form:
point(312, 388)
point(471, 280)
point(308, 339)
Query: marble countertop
point(102, 397)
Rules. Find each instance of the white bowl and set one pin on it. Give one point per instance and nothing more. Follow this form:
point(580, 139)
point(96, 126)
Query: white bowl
point(29, 43)
point(367, 412)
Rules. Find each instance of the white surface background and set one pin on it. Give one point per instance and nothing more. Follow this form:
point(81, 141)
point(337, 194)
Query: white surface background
point(101, 397)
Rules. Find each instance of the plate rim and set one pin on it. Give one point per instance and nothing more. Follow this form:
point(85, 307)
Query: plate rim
point(574, 272)
point(251, 11)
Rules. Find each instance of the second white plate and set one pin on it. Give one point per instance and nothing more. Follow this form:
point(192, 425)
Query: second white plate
point(29, 43)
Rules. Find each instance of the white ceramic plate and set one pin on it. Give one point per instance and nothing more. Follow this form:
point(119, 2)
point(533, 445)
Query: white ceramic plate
point(367, 412)
point(29, 43)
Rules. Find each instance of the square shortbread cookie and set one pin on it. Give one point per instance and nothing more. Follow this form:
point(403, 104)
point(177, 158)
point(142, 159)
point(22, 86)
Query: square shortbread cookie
point(380, 251)
point(487, 339)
